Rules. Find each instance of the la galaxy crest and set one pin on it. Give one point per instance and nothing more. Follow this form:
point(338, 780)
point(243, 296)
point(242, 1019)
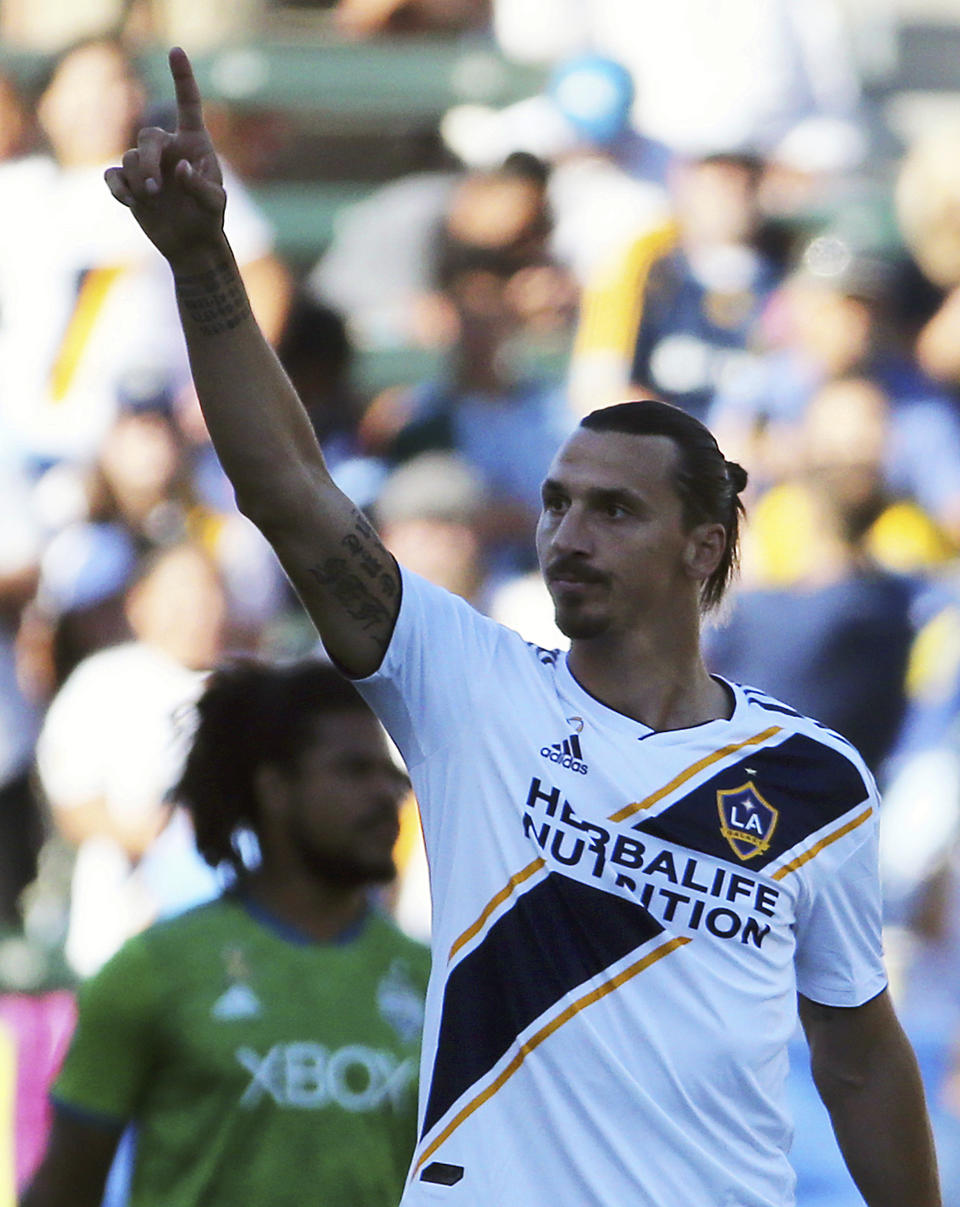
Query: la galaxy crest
point(747, 821)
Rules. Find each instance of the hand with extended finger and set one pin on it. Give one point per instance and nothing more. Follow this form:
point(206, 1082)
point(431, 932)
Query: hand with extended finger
point(172, 181)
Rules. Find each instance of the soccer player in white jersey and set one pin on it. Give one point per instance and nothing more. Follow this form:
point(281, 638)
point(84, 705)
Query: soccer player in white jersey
point(636, 868)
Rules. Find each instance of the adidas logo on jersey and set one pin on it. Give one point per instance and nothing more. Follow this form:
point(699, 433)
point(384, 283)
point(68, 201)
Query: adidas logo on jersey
point(239, 1001)
point(567, 754)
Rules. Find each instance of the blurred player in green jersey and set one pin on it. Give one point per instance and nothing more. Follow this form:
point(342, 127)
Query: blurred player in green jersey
point(264, 1045)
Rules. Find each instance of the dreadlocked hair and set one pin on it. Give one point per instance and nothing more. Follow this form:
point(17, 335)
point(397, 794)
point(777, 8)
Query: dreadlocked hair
point(250, 714)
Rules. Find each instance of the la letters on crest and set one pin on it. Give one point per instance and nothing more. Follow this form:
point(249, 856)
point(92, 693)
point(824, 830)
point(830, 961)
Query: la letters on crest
point(747, 821)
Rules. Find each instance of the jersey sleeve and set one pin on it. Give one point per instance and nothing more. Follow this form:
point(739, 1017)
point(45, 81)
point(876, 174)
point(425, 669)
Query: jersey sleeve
point(839, 955)
point(110, 1056)
point(438, 661)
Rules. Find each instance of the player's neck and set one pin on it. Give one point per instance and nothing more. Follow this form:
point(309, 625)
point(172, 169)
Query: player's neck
point(661, 683)
point(317, 908)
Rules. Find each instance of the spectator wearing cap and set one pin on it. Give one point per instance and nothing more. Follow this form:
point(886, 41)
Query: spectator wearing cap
point(430, 515)
point(707, 74)
point(607, 182)
point(435, 517)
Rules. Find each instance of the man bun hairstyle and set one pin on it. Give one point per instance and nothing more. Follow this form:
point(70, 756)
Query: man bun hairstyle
point(709, 486)
point(737, 475)
point(251, 713)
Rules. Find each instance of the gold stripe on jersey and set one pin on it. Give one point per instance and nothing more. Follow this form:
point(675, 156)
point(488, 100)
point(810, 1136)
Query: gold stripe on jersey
point(819, 846)
point(492, 904)
point(90, 301)
point(626, 811)
point(595, 995)
point(691, 771)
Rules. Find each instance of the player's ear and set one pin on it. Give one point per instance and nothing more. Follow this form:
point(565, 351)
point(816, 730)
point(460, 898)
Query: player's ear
point(704, 549)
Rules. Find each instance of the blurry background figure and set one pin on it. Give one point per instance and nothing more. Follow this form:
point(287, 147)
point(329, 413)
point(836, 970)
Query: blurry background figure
point(676, 313)
point(430, 513)
point(111, 747)
point(607, 181)
point(365, 18)
point(523, 604)
point(18, 132)
point(749, 72)
point(20, 818)
point(927, 197)
point(47, 25)
point(264, 1045)
point(498, 400)
point(318, 353)
point(376, 268)
point(87, 317)
point(843, 444)
point(142, 492)
point(384, 266)
point(840, 631)
point(839, 318)
point(920, 836)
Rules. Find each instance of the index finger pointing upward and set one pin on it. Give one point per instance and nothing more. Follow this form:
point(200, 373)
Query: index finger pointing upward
point(189, 107)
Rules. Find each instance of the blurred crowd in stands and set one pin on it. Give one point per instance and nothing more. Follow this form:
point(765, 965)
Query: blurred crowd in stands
point(698, 206)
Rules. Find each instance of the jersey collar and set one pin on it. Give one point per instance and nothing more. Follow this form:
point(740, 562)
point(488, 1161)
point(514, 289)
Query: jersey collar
point(586, 705)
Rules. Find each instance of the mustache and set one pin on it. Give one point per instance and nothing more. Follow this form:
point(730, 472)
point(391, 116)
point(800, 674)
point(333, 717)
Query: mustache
point(574, 570)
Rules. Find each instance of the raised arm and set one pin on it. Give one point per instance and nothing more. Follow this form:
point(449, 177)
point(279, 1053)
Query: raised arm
point(347, 581)
point(867, 1075)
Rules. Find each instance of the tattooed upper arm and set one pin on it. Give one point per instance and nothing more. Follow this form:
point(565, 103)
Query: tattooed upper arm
point(358, 585)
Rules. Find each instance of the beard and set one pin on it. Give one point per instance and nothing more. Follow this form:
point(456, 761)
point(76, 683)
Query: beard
point(577, 617)
point(577, 625)
point(574, 618)
point(345, 868)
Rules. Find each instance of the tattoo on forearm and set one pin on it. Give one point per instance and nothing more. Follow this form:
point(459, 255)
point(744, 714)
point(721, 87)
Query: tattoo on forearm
point(360, 582)
point(215, 300)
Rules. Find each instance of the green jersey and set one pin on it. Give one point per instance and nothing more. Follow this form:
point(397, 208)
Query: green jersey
point(259, 1068)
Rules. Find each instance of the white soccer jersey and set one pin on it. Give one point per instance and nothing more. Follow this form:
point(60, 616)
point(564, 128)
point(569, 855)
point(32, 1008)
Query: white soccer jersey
point(621, 921)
